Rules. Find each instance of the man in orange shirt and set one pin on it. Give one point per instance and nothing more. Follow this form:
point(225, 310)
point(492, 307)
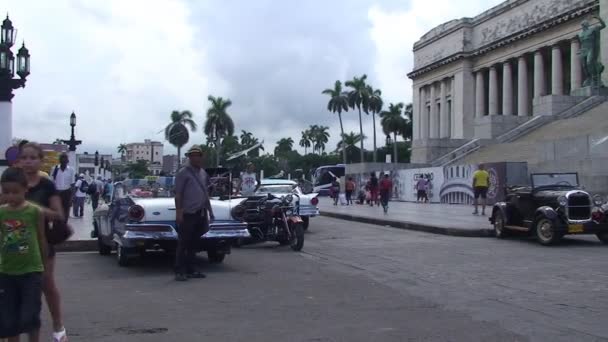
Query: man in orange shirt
point(349, 189)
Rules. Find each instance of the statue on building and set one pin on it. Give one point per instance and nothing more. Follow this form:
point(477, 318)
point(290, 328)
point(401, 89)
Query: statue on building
point(589, 54)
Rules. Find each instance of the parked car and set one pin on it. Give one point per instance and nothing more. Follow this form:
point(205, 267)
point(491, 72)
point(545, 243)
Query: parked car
point(141, 216)
point(553, 206)
point(306, 204)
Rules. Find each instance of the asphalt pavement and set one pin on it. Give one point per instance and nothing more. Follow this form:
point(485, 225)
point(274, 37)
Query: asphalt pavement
point(352, 282)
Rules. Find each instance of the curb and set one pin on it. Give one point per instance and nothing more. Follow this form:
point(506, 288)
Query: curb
point(77, 246)
point(480, 232)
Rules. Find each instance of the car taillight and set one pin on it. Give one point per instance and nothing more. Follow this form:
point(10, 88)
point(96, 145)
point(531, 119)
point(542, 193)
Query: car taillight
point(238, 212)
point(314, 201)
point(136, 212)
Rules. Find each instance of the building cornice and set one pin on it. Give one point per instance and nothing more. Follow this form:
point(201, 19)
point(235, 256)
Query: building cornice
point(517, 36)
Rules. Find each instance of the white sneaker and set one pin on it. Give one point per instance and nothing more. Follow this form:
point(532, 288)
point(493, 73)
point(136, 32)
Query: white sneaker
point(60, 336)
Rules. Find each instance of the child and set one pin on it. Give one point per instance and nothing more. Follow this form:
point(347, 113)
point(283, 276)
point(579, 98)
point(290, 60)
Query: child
point(23, 252)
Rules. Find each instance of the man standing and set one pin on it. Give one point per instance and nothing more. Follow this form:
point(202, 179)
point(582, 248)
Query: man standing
point(80, 193)
point(193, 213)
point(421, 189)
point(386, 185)
point(96, 189)
point(64, 178)
point(349, 188)
point(373, 188)
point(249, 182)
point(481, 183)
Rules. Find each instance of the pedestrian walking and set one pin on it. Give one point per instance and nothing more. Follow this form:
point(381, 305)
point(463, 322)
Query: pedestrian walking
point(80, 194)
point(64, 177)
point(42, 192)
point(385, 187)
point(481, 183)
point(193, 213)
point(23, 254)
point(335, 190)
point(349, 189)
point(95, 191)
point(373, 188)
point(108, 188)
point(421, 188)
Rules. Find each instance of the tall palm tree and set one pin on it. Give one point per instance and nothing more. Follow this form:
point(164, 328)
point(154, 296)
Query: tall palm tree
point(393, 123)
point(375, 106)
point(177, 131)
point(219, 123)
point(320, 137)
point(338, 102)
point(408, 129)
point(359, 98)
point(312, 131)
point(122, 149)
point(246, 138)
point(283, 146)
point(349, 143)
point(305, 141)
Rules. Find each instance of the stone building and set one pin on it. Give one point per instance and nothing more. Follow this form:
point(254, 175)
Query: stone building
point(150, 151)
point(478, 78)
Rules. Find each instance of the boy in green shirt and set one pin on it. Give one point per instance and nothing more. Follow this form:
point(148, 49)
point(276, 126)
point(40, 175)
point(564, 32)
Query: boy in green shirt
point(23, 252)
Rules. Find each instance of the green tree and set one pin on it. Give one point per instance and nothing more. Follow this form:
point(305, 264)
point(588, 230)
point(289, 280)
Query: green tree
point(219, 124)
point(375, 107)
point(246, 138)
point(177, 131)
point(284, 146)
point(393, 123)
point(122, 149)
point(138, 170)
point(407, 129)
point(338, 102)
point(358, 98)
point(349, 144)
point(320, 137)
point(305, 141)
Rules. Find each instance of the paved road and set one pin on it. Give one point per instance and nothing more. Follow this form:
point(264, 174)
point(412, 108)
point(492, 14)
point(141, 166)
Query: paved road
point(354, 282)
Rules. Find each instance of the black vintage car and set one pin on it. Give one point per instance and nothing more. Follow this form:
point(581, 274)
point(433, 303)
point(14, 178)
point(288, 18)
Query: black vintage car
point(553, 206)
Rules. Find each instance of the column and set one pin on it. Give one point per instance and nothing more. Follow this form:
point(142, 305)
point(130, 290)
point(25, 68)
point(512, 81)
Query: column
point(444, 121)
point(576, 69)
point(523, 103)
point(416, 114)
point(493, 90)
point(557, 71)
point(433, 122)
point(480, 106)
point(507, 89)
point(539, 75)
point(424, 118)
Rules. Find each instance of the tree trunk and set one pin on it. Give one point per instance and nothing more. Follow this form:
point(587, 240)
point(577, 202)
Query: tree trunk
point(179, 158)
point(395, 147)
point(375, 150)
point(218, 149)
point(361, 142)
point(343, 144)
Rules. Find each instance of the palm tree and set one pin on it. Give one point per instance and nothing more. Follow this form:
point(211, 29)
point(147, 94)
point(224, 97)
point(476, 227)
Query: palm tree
point(319, 137)
point(349, 143)
point(284, 146)
point(305, 141)
point(393, 123)
point(375, 106)
point(219, 123)
point(338, 102)
point(408, 129)
point(177, 131)
point(246, 138)
point(358, 98)
point(122, 149)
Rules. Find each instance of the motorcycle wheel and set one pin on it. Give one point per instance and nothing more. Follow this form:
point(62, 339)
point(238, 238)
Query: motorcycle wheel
point(297, 241)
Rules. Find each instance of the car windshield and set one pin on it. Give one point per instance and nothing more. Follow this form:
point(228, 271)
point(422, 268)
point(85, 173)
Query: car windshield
point(159, 187)
point(275, 189)
point(555, 179)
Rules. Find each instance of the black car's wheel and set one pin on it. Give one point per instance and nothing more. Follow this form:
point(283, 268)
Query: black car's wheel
point(544, 229)
point(215, 257)
point(305, 222)
point(297, 240)
point(102, 248)
point(499, 225)
point(122, 256)
point(603, 237)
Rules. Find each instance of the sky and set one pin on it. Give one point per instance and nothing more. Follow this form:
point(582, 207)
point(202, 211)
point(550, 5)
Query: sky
point(124, 65)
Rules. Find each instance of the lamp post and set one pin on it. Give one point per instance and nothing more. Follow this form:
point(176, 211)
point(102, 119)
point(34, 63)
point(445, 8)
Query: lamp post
point(96, 163)
point(8, 83)
point(72, 143)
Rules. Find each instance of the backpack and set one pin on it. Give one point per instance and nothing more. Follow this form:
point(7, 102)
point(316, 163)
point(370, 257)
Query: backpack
point(92, 190)
point(84, 187)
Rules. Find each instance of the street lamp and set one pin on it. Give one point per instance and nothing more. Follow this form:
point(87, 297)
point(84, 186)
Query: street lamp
point(72, 142)
point(7, 81)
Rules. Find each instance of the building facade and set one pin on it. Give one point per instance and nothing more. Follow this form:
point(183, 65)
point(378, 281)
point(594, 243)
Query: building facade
point(150, 151)
point(478, 78)
point(170, 164)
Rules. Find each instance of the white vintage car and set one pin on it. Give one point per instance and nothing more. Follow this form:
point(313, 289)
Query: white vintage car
point(141, 216)
point(306, 205)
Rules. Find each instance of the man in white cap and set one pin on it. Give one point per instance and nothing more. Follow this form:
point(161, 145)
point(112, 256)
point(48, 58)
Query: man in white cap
point(80, 193)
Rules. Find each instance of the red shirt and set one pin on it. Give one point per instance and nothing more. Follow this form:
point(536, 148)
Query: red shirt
point(386, 184)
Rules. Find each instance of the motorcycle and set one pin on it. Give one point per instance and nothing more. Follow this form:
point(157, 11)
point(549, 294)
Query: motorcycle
point(278, 221)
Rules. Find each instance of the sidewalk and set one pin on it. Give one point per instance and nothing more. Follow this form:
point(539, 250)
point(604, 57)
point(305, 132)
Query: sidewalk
point(455, 220)
point(81, 240)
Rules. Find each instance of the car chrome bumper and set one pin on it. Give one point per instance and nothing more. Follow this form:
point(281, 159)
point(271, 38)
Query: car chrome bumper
point(217, 230)
point(583, 228)
point(309, 210)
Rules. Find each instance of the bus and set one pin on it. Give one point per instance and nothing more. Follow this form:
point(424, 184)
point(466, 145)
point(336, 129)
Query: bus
point(323, 176)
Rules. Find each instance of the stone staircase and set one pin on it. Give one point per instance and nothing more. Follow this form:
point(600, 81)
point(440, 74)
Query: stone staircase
point(520, 131)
